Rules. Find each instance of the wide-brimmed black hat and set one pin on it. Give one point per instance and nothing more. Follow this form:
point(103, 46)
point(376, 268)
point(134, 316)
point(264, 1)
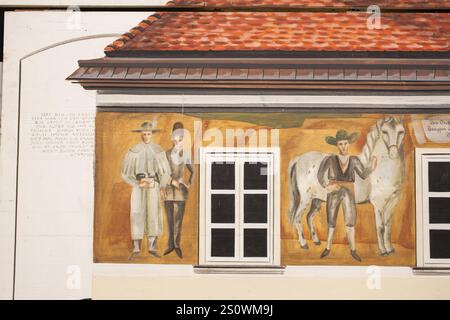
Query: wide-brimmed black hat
point(341, 135)
point(146, 126)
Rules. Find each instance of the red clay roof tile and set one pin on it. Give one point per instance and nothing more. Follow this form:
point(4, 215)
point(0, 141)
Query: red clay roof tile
point(314, 3)
point(287, 31)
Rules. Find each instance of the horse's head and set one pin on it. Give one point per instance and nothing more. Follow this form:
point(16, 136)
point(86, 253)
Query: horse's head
point(392, 133)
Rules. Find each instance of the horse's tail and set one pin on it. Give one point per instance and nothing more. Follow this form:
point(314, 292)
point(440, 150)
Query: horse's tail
point(294, 194)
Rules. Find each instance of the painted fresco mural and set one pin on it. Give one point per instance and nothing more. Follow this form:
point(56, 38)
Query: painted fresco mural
point(347, 184)
point(341, 180)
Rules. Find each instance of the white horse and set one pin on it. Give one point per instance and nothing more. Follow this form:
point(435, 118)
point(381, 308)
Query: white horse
point(382, 188)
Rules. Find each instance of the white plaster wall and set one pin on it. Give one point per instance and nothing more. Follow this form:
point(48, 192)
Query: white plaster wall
point(55, 207)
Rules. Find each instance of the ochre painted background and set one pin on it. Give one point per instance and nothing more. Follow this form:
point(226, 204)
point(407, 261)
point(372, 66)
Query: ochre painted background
point(112, 195)
point(112, 238)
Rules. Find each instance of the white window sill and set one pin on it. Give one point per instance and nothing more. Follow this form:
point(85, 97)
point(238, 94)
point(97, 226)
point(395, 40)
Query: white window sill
point(445, 271)
point(238, 269)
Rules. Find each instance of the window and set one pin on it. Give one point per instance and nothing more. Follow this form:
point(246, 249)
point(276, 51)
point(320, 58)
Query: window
point(433, 207)
point(239, 206)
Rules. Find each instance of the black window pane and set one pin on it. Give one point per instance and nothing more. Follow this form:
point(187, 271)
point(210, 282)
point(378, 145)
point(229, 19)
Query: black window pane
point(255, 208)
point(439, 210)
point(222, 176)
point(255, 242)
point(222, 208)
point(439, 176)
point(222, 242)
point(255, 175)
point(440, 244)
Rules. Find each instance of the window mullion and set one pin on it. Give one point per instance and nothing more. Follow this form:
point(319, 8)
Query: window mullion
point(426, 216)
point(270, 199)
point(239, 217)
point(208, 231)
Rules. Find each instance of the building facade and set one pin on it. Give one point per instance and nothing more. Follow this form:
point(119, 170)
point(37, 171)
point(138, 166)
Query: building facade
point(228, 137)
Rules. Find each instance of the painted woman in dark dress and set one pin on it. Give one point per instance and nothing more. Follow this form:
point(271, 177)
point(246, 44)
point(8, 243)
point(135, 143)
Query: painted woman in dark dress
point(175, 198)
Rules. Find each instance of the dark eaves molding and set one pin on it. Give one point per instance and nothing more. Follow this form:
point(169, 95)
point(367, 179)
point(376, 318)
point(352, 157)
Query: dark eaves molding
point(264, 73)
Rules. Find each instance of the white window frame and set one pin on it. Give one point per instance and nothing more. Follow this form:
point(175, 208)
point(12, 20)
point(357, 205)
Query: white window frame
point(240, 155)
point(423, 156)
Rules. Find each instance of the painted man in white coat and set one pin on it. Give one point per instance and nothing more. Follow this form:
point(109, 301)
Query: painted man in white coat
point(147, 170)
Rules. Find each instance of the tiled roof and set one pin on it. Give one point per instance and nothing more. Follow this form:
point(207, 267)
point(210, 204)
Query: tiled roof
point(316, 3)
point(307, 45)
point(284, 31)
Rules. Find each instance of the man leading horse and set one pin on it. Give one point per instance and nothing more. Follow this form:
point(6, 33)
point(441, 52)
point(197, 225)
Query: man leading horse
point(337, 175)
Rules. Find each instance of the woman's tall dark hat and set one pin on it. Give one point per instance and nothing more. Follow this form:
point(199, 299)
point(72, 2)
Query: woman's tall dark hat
point(177, 129)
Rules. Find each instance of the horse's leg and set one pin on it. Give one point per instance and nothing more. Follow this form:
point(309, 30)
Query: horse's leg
point(315, 207)
point(295, 212)
point(387, 221)
point(299, 225)
point(379, 227)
